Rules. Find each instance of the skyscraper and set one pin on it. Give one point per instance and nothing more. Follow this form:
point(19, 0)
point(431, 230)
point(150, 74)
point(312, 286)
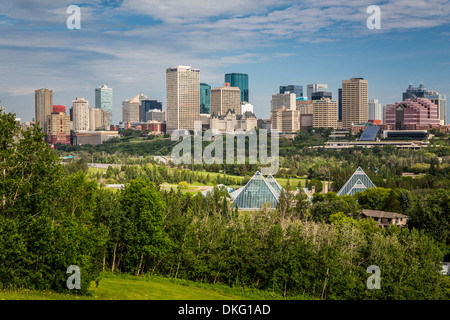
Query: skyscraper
point(239, 80)
point(325, 113)
point(292, 88)
point(354, 102)
point(182, 98)
point(340, 104)
point(414, 92)
point(205, 98)
point(104, 99)
point(440, 101)
point(43, 102)
point(131, 109)
point(80, 108)
point(225, 98)
point(58, 126)
point(375, 111)
point(147, 105)
point(321, 95)
point(283, 99)
point(315, 87)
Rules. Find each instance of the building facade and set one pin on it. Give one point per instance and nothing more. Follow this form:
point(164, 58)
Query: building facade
point(315, 87)
point(205, 98)
point(231, 122)
point(239, 80)
point(58, 127)
point(284, 120)
point(98, 119)
point(155, 115)
point(321, 95)
point(325, 113)
point(440, 101)
point(375, 111)
point(104, 100)
point(182, 98)
point(414, 92)
point(283, 99)
point(43, 102)
point(80, 110)
point(411, 112)
point(225, 98)
point(292, 88)
point(147, 105)
point(355, 102)
point(131, 109)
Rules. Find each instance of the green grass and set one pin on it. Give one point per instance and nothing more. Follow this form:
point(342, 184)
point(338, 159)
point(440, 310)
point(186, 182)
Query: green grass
point(127, 287)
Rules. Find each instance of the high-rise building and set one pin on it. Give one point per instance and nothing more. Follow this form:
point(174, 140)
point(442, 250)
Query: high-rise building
point(354, 102)
point(58, 126)
point(340, 104)
point(131, 109)
point(321, 95)
point(411, 112)
point(315, 87)
point(292, 88)
point(245, 106)
point(80, 109)
point(58, 109)
point(375, 111)
point(98, 119)
point(325, 113)
point(182, 98)
point(239, 80)
point(285, 120)
point(155, 115)
point(205, 98)
point(225, 98)
point(43, 102)
point(104, 99)
point(147, 105)
point(283, 99)
point(414, 92)
point(440, 101)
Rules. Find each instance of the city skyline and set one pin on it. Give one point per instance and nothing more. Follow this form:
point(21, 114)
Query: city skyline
point(275, 43)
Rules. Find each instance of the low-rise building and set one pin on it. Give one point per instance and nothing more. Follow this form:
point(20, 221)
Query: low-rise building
point(384, 218)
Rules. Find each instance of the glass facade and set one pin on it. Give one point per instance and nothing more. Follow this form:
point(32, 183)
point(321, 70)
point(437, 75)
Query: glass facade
point(321, 95)
point(359, 181)
point(239, 80)
point(103, 100)
point(205, 98)
point(255, 193)
point(298, 90)
point(147, 105)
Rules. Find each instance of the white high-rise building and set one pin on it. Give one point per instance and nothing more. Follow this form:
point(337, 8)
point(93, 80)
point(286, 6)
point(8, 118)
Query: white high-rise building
point(283, 99)
point(182, 98)
point(315, 87)
point(375, 110)
point(245, 106)
point(104, 99)
point(80, 110)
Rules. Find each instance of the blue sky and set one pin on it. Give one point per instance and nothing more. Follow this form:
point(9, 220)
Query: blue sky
point(129, 44)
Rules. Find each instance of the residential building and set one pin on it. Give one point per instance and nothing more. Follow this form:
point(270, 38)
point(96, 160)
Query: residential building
point(239, 80)
point(43, 102)
point(283, 99)
point(292, 88)
point(225, 98)
point(375, 110)
point(414, 92)
point(131, 109)
point(147, 105)
point(440, 101)
point(420, 111)
point(285, 121)
point(80, 110)
point(58, 126)
point(182, 98)
point(205, 98)
point(305, 108)
point(384, 219)
point(315, 87)
point(359, 181)
point(354, 102)
point(104, 100)
point(325, 113)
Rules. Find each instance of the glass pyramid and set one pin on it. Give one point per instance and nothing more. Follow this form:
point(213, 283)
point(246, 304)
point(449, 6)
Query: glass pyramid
point(359, 181)
point(274, 184)
point(255, 193)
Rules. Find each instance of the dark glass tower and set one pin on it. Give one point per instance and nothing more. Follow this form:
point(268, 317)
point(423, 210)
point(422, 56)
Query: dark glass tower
point(239, 80)
point(321, 95)
point(340, 104)
point(414, 92)
point(298, 90)
point(147, 105)
point(205, 98)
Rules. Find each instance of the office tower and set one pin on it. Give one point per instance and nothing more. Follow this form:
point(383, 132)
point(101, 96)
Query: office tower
point(315, 87)
point(43, 102)
point(283, 99)
point(182, 98)
point(340, 104)
point(292, 88)
point(80, 108)
point(104, 99)
point(225, 98)
point(205, 98)
point(321, 95)
point(440, 101)
point(285, 120)
point(131, 109)
point(98, 119)
point(411, 112)
point(354, 102)
point(155, 115)
point(414, 92)
point(325, 113)
point(58, 126)
point(239, 80)
point(147, 105)
point(375, 111)
point(245, 106)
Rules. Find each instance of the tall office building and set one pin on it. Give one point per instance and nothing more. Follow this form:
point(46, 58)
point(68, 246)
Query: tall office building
point(321, 95)
point(283, 99)
point(292, 88)
point(131, 109)
point(225, 98)
point(80, 110)
point(325, 113)
point(147, 105)
point(340, 104)
point(411, 112)
point(375, 111)
point(182, 98)
point(239, 80)
point(284, 120)
point(205, 98)
point(354, 102)
point(315, 87)
point(440, 101)
point(43, 102)
point(104, 99)
point(414, 92)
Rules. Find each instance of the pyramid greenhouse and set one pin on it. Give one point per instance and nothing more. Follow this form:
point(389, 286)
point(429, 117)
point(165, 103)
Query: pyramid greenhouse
point(359, 181)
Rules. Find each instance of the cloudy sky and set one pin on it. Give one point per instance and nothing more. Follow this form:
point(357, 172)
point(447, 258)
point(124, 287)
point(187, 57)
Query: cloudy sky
point(128, 45)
